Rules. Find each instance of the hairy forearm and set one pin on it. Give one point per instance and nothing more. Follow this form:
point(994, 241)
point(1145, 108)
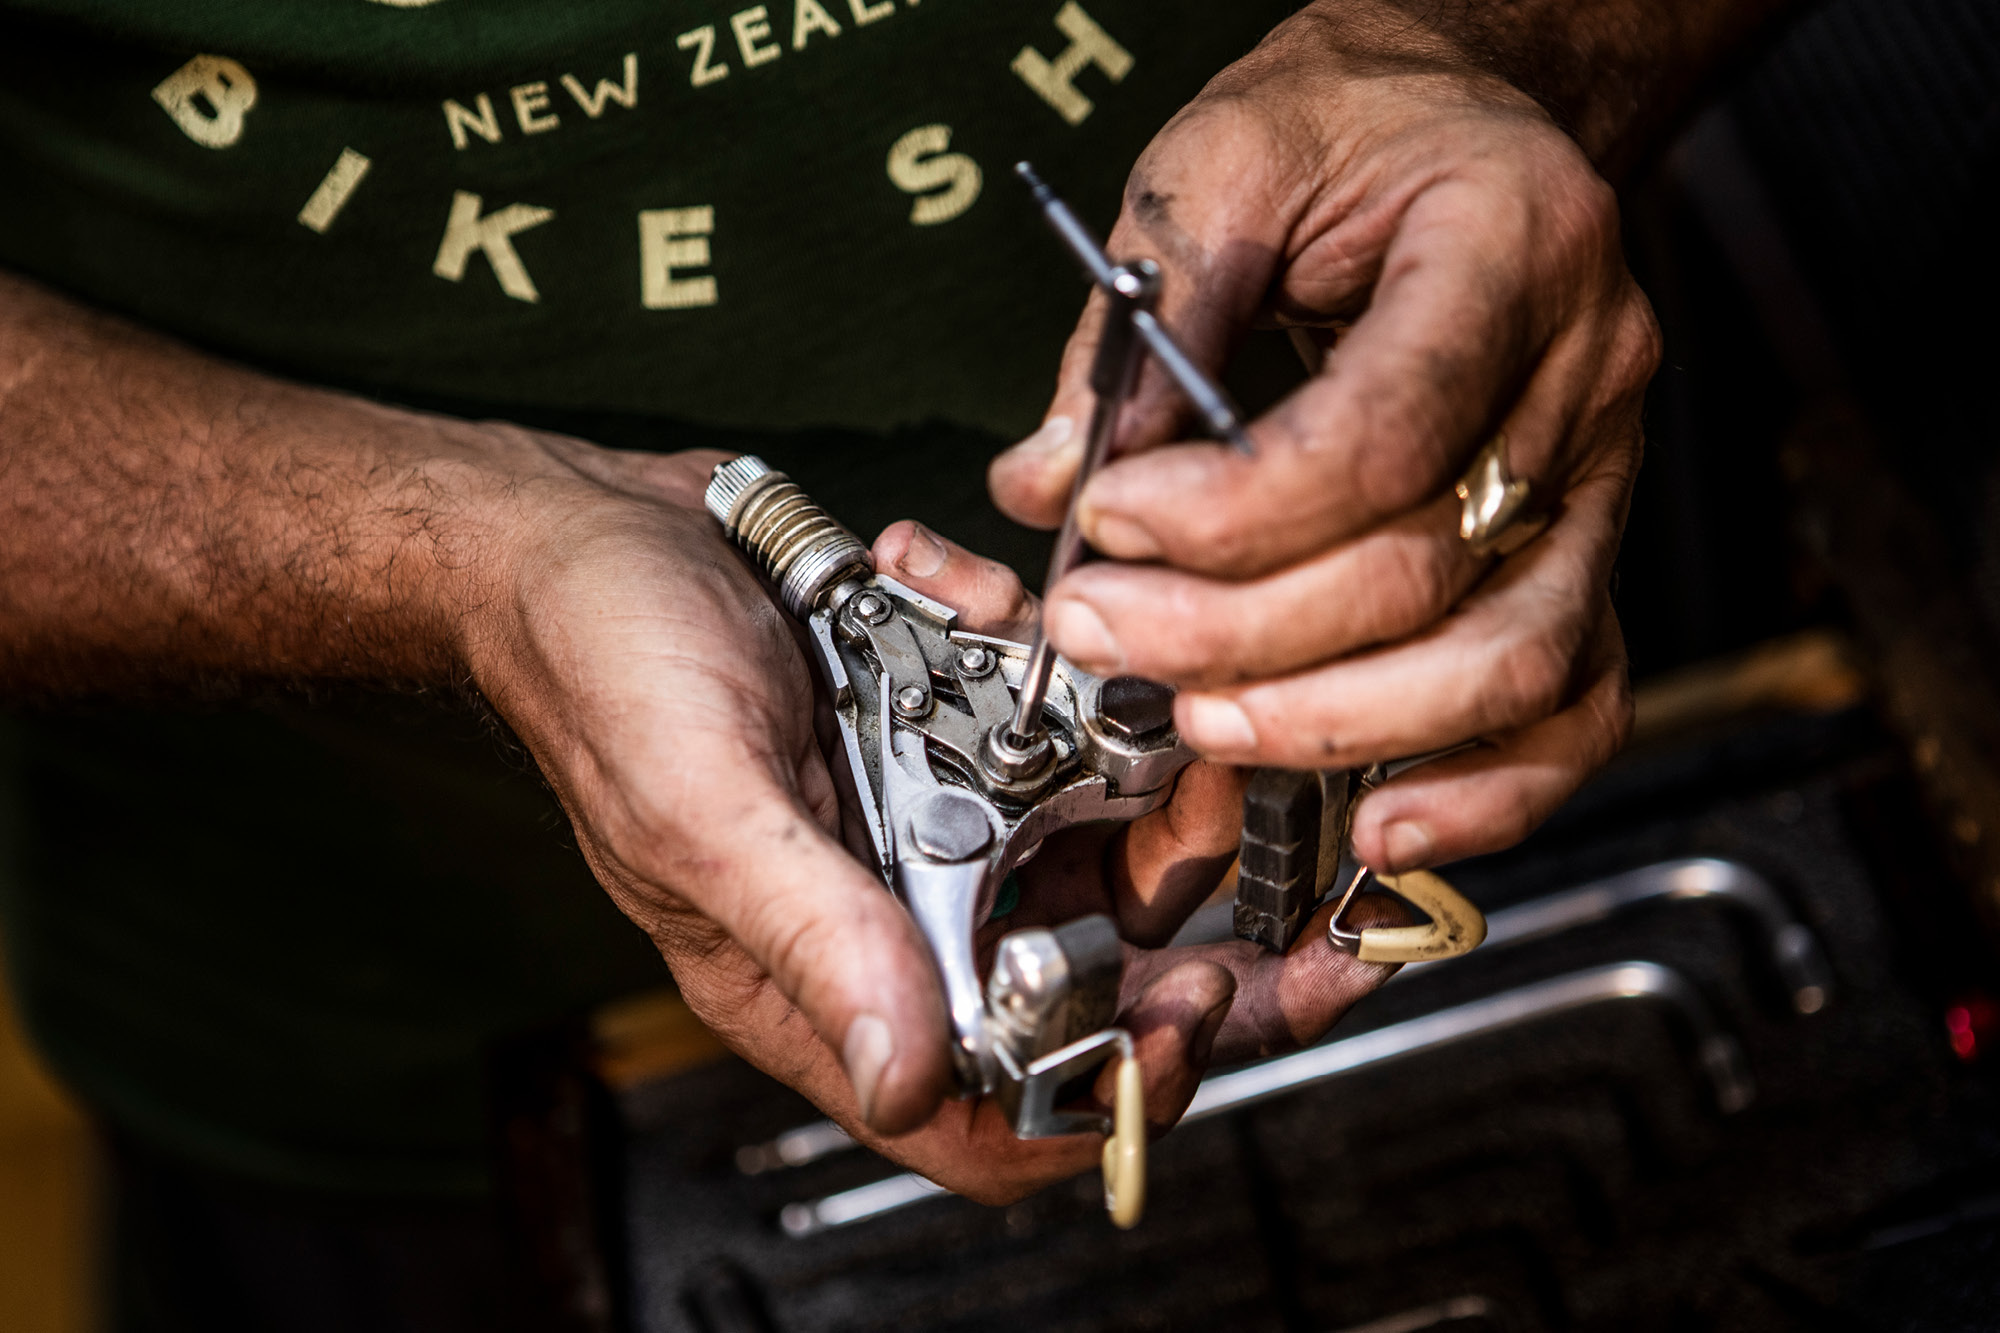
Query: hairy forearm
point(1614, 73)
point(167, 518)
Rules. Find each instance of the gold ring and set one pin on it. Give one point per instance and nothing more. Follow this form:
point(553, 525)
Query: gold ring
point(1494, 519)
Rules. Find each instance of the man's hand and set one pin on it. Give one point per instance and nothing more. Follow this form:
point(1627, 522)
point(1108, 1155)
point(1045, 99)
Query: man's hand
point(1185, 1007)
point(665, 697)
point(1367, 182)
point(166, 519)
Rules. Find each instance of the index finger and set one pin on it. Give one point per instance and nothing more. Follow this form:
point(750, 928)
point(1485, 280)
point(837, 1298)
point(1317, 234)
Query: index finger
point(1459, 319)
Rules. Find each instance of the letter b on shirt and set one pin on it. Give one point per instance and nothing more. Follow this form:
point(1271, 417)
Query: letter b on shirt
point(208, 98)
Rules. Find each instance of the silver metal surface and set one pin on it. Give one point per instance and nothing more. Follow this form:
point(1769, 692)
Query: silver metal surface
point(1716, 1050)
point(873, 607)
point(918, 701)
point(1028, 1095)
point(803, 550)
point(1791, 946)
point(1012, 758)
point(1208, 397)
point(1720, 1056)
point(1793, 950)
point(1130, 330)
point(793, 1148)
point(1030, 978)
point(1131, 291)
point(951, 826)
point(800, 1220)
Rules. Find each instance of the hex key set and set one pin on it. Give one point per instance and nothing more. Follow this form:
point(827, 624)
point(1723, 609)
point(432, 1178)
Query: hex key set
point(1688, 1007)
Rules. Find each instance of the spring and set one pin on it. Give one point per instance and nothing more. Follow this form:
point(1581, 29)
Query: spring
point(798, 545)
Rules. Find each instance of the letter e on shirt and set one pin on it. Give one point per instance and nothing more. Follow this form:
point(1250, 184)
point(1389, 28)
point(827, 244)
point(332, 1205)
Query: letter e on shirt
point(673, 240)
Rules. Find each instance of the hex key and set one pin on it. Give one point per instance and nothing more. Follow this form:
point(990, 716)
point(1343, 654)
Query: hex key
point(1793, 949)
point(1718, 1052)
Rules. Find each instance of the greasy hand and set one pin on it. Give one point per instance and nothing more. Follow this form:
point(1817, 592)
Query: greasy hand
point(1185, 1007)
point(665, 697)
point(1457, 258)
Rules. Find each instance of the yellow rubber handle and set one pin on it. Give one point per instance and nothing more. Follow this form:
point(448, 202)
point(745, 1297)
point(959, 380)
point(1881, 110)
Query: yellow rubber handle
point(1125, 1150)
point(1455, 927)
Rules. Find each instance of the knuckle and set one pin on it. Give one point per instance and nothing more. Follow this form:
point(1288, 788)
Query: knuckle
point(1532, 677)
point(1403, 455)
point(1419, 584)
point(1515, 815)
point(1198, 631)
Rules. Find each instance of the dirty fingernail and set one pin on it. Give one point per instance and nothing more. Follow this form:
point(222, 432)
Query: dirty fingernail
point(1082, 636)
point(1120, 537)
point(1218, 724)
point(866, 1053)
point(924, 556)
point(1408, 844)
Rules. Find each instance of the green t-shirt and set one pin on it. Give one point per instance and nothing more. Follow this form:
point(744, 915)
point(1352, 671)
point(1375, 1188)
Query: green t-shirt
point(279, 936)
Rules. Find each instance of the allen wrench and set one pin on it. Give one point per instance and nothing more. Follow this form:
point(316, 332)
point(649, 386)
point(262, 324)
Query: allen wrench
point(1717, 1052)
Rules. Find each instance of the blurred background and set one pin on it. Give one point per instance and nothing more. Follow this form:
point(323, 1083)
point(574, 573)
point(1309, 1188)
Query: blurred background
point(1733, 1066)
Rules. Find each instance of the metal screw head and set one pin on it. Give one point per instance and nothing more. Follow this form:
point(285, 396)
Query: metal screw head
point(872, 607)
point(975, 662)
point(1135, 709)
point(951, 826)
point(1010, 759)
point(912, 700)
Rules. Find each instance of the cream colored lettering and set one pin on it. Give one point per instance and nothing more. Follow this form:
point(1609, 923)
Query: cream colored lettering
point(208, 98)
point(672, 240)
point(531, 108)
point(334, 191)
point(808, 19)
point(1054, 81)
point(865, 13)
point(752, 27)
point(466, 231)
point(946, 183)
point(625, 95)
point(702, 42)
point(458, 120)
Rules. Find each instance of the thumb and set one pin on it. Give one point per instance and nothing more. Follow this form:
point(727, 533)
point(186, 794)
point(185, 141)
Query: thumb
point(1216, 231)
point(832, 939)
point(988, 596)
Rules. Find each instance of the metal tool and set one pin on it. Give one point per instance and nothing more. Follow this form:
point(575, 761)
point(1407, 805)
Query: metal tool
point(1131, 329)
point(1296, 849)
point(1294, 824)
point(1716, 1050)
point(1794, 952)
point(919, 703)
point(1793, 949)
